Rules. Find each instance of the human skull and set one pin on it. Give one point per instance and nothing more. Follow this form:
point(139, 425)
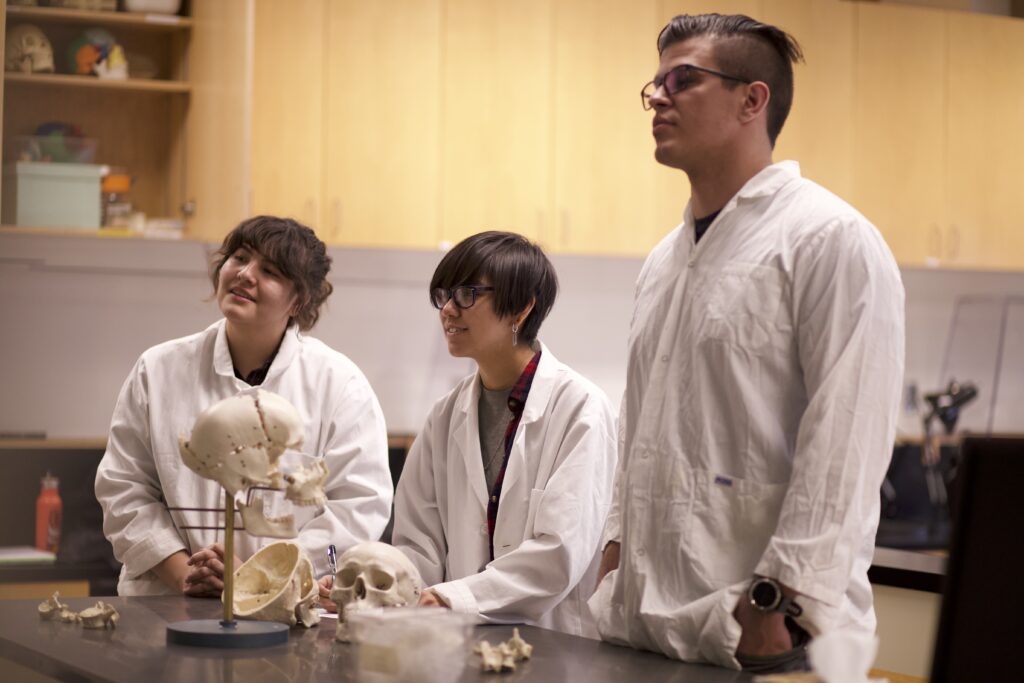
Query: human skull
point(28, 50)
point(238, 442)
point(277, 584)
point(373, 575)
point(101, 615)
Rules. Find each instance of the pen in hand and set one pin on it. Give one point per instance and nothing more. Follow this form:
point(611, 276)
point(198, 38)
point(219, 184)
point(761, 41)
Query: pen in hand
point(332, 559)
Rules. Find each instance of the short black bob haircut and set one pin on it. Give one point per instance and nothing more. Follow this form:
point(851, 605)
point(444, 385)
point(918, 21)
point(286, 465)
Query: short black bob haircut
point(294, 249)
point(516, 268)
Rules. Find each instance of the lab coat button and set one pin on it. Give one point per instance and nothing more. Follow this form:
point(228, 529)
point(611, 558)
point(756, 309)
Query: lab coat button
point(689, 264)
point(483, 529)
point(641, 552)
point(664, 359)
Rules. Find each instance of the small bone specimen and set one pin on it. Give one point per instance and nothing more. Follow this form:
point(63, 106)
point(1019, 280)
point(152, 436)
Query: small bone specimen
point(238, 442)
point(51, 609)
point(100, 615)
point(277, 584)
point(503, 657)
point(372, 575)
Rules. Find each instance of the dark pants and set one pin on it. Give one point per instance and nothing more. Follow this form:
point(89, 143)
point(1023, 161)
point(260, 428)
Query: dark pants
point(784, 662)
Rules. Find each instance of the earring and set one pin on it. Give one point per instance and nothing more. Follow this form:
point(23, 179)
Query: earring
point(515, 334)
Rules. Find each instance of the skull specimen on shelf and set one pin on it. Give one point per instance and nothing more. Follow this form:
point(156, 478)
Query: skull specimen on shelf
point(28, 50)
point(277, 584)
point(238, 443)
point(101, 615)
point(372, 575)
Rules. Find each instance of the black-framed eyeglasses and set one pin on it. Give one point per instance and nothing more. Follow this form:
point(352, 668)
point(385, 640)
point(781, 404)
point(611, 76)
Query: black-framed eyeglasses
point(680, 78)
point(464, 296)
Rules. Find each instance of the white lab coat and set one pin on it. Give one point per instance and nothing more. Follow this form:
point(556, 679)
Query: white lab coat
point(554, 502)
point(764, 375)
point(142, 474)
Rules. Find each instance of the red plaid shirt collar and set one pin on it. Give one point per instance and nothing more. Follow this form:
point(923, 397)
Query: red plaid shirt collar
point(516, 404)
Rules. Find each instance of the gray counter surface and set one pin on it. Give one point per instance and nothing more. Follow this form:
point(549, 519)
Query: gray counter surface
point(137, 652)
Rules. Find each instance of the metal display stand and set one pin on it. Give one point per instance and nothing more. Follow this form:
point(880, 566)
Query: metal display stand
point(227, 633)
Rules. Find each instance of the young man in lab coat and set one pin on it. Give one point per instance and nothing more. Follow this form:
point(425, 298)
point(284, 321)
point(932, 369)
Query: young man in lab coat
point(765, 361)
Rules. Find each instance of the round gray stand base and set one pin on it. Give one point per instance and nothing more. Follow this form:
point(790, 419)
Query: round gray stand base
point(237, 635)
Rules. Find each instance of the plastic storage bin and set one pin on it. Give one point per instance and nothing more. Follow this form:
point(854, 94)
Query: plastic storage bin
point(39, 194)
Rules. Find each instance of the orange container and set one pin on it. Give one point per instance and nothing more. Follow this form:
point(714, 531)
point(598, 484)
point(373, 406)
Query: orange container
point(48, 515)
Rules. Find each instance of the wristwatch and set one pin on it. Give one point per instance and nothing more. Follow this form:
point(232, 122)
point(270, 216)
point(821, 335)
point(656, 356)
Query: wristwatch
point(766, 595)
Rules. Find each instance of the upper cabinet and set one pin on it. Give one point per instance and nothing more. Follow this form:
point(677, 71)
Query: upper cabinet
point(497, 106)
point(173, 125)
point(900, 116)
point(414, 123)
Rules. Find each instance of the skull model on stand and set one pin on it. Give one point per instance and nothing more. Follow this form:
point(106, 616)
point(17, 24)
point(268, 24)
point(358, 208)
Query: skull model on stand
point(28, 50)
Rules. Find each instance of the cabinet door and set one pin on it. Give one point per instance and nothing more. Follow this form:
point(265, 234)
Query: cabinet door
point(604, 155)
point(496, 133)
point(287, 108)
point(819, 130)
point(217, 141)
point(986, 147)
point(381, 127)
point(899, 126)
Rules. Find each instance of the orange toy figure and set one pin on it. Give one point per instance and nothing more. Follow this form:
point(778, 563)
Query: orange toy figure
point(86, 58)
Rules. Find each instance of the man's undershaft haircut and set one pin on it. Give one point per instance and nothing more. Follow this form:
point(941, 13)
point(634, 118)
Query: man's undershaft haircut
point(748, 49)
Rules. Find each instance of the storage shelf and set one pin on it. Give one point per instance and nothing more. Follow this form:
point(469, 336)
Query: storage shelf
point(51, 15)
point(63, 80)
point(92, 233)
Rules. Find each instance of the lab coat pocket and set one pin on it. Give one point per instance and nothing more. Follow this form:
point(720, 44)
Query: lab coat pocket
point(743, 306)
point(731, 523)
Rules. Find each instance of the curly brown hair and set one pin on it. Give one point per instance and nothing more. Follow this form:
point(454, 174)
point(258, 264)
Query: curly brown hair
point(294, 249)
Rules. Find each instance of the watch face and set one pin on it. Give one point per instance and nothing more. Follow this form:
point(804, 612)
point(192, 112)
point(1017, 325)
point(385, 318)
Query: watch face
point(764, 594)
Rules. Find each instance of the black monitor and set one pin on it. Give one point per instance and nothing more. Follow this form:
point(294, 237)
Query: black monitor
point(981, 624)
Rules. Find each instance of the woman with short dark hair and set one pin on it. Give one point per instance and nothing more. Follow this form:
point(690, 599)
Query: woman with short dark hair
point(270, 281)
point(503, 497)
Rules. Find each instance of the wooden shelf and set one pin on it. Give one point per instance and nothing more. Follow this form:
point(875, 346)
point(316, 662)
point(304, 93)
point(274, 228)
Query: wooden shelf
point(64, 80)
point(92, 233)
point(51, 15)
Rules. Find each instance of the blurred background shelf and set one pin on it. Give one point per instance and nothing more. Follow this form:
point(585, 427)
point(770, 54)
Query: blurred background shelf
point(44, 15)
point(67, 80)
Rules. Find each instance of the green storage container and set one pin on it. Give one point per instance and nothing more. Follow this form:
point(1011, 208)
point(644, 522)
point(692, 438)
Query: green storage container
point(41, 194)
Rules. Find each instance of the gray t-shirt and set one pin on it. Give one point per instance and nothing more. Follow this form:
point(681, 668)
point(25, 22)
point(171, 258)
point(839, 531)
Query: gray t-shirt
point(494, 417)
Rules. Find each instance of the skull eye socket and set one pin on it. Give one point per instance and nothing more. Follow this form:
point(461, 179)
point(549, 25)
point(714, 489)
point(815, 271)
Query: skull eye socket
point(381, 580)
point(347, 577)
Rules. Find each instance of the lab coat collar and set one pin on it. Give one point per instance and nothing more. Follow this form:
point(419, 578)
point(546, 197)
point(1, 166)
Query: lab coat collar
point(222, 354)
point(467, 424)
point(766, 183)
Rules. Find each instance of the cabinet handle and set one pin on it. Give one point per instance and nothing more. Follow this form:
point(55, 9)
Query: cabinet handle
point(188, 208)
point(934, 242)
point(953, 250)
point(336, 219)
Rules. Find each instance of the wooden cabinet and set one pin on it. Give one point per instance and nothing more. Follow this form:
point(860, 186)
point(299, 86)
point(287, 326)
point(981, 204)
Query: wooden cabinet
point(172, 129)
point(381, 140)
point(288, 98)
point(937, 158)
point(604, 178)
point(496, 135)
point(819, 130)
point(899, 122)
point(985, 145)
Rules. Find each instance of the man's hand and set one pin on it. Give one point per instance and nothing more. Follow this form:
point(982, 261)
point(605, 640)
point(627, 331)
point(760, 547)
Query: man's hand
point(609, 561)
point(207, 576)
point(764, 633)
point(326, 583)
point(429, 598)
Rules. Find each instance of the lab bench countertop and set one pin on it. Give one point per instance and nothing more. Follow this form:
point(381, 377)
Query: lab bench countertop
point(137, 651)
